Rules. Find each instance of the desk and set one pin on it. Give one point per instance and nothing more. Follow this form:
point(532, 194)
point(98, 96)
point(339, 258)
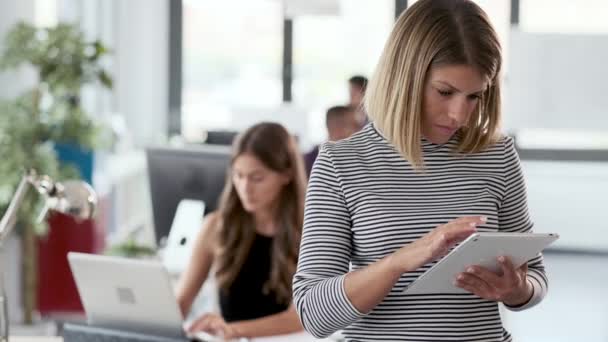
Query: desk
point(299, 337)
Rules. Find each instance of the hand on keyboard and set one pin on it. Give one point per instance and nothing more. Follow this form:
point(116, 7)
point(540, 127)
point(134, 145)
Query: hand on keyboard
point(206, 337)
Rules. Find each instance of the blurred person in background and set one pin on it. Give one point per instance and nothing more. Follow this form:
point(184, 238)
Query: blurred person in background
point(251, 242)
point(341, 123)
point(357, 85)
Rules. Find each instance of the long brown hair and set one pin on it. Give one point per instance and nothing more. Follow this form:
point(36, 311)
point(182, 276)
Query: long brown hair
point(272, 145)
point(434, 33)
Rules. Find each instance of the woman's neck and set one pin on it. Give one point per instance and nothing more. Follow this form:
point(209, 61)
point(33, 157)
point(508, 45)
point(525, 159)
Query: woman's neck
point(264, 222)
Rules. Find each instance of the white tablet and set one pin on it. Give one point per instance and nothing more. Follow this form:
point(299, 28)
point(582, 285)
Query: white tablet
point(480, 249)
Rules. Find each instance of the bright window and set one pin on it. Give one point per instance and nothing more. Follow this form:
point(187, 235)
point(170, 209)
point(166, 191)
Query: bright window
point(328, 50)
point(231, 62)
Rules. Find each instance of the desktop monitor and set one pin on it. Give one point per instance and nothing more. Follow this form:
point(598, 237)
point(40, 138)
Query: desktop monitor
point(198, 172)
point(220, 137)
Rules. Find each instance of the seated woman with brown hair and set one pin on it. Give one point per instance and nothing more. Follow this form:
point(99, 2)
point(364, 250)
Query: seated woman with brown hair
point(252, 241)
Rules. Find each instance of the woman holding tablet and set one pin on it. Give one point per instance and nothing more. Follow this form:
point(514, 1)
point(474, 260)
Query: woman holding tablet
point(429, 170)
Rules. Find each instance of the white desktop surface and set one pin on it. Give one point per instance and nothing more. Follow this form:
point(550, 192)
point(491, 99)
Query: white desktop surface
point(299, 337)
point(35, 339)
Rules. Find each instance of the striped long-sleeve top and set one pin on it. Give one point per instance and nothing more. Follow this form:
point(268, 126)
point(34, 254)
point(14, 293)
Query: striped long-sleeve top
point(365, 201)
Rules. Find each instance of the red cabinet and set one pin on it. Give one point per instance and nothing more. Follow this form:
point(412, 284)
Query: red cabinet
point(57, 291)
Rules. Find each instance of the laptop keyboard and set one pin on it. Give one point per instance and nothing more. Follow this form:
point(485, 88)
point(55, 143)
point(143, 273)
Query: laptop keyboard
point(85, 333)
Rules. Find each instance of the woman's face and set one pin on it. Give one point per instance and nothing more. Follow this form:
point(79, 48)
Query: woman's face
point(257, 186)
point(451, 94)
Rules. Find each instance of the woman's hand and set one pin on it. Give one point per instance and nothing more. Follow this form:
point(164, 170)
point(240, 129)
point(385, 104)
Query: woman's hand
point(511, 287)
point(434, 244)
point(213, 324)
point(368, 286)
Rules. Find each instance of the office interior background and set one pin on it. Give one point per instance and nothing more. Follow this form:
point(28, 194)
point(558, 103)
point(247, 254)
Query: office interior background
point(188, 71)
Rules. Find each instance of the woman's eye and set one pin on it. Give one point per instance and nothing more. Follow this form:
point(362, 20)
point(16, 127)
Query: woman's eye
point(257, 179)
point(444, 92)
point(474, 97)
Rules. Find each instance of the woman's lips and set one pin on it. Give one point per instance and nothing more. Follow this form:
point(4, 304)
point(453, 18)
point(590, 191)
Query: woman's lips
point(446, 129)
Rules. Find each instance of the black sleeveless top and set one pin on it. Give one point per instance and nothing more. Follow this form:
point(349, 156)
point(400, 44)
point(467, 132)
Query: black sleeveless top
point(245, 298)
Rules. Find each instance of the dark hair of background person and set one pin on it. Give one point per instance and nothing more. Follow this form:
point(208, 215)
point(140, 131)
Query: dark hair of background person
point(359, 81)
point(272, 145)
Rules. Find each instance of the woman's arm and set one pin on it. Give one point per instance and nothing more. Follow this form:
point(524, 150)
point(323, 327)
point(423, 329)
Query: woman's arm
point(368, 286)
point(325, 252)
point(196, 273)
point(282, 323)
point(525, 286)
point(286, 322)
point(513, 216)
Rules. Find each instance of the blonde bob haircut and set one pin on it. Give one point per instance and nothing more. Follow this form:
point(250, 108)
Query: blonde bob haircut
point(434, 33)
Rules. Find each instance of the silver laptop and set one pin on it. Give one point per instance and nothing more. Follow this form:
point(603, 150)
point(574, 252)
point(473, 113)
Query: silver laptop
point(128, 294)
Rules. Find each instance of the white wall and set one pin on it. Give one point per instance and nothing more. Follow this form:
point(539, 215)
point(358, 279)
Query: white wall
point(569, 198)
point(95, 19)
point(556, 98)
point(14, 82)
point(137, 33)
point(557, 81)
point(142, 67)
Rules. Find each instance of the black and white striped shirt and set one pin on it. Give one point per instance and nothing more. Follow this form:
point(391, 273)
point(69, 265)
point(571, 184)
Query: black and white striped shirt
point(365, 201)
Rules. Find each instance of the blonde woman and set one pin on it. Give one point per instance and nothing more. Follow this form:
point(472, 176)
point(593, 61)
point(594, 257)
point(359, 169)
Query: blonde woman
point(252, 241)
point(430, 169)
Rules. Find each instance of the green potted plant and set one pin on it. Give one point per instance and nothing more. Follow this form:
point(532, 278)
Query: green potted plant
point(42, 121)
point(131, 248)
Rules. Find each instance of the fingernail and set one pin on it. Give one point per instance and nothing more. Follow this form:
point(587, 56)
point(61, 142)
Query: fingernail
point(484, 218)
point(460, 277)
point(501, 258)
point(471, 270)
point(472, 224)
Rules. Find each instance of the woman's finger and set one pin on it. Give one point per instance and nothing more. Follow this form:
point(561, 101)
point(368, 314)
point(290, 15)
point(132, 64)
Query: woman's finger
point(196, 325)
point(524, 268)
point(475, 286)
point(476, 282)
point(217, 325)
point(508, 270)
point(201, 323)
point(466, 219)
point(454, 233)
point(486, 275)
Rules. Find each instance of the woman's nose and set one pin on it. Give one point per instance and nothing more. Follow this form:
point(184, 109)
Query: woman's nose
point(458, 110)
point(248, 186)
